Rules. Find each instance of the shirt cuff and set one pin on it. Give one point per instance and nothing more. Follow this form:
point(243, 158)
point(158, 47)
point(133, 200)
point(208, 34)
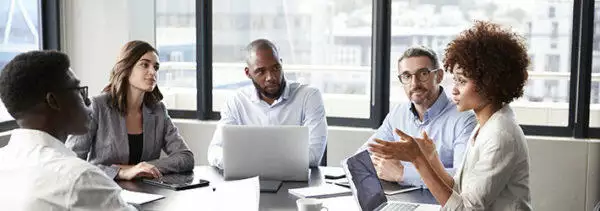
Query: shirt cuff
point(112, 171)
point(216, 157)
point(157, 163)
point(411, 176)
point(455, 186)
point(454, 202)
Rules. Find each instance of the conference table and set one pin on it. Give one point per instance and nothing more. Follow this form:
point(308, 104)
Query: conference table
point(204, 198)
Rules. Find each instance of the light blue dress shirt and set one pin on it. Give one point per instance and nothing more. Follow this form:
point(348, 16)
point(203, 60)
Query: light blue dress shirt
point(447, 127)
point(299, 104)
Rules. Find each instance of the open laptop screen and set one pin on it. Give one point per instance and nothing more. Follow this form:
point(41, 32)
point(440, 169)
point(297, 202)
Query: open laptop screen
point(369, 192)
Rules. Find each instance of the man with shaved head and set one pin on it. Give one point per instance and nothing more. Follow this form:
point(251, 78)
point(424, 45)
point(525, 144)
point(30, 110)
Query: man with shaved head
point(271, 100)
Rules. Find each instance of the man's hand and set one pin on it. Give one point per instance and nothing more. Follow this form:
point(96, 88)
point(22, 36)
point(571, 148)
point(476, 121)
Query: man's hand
point(142, 169)
point(389, 170)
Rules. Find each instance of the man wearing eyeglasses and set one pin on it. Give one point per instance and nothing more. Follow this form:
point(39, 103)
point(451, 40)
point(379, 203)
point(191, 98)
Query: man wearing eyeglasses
point(429, 110)
point(37, 172)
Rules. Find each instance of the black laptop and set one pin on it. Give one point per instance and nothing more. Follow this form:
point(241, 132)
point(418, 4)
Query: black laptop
point(179, 181)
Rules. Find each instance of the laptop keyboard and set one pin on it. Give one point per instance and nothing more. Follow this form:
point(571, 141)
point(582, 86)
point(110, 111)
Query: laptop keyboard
point(176, 179)
point(399, 207)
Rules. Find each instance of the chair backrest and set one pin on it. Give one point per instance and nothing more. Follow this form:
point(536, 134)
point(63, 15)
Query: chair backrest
point(324, 158)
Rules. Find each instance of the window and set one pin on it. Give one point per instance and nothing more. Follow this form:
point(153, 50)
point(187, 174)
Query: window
point(176, 45)
point(545, 101)
point(554, 30)
point(595, 87)
point(19, 32)
point(322, 43)
point(327, 44)
point(552, 63)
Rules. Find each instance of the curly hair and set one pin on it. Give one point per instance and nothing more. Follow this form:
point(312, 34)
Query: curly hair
point(27, 78)
point(494, 58)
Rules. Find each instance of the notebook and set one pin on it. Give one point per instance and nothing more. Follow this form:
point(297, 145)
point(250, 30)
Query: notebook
point(341, 182)
point(322, 191)
point(332, 172)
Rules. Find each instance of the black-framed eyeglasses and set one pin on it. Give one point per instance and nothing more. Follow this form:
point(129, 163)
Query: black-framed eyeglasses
point(83, 90)
point(422, 74)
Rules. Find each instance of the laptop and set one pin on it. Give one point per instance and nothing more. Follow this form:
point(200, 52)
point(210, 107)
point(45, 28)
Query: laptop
point(181, 181)
point(389, 188)
point(367, 189)
point(277, 153)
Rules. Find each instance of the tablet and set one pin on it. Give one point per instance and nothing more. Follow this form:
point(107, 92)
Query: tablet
point(177, 181)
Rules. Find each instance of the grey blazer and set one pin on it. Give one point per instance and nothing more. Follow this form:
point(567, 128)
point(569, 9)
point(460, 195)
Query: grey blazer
point(107, 143)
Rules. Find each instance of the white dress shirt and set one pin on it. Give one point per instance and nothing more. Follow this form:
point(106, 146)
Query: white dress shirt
point(299, 104)
point(37, 172)
point(495, 171)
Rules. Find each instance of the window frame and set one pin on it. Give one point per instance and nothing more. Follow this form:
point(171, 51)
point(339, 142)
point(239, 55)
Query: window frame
point(50, 29)
point(580, 74)
point(380, 64)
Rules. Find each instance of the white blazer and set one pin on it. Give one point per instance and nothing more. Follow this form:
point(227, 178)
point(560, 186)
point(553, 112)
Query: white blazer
point(495, 171)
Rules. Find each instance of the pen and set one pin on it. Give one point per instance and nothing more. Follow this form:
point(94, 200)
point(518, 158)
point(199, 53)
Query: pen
point(338, 184)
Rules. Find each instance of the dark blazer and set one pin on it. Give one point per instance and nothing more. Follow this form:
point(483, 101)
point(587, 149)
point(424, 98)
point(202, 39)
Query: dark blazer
point(107, 143)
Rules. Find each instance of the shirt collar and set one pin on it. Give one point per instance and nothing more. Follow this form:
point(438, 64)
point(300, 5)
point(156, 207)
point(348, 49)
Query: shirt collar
point(31, 138)
point(285, 95)
point(286, 91)
point(505, 111)
point(438, 106)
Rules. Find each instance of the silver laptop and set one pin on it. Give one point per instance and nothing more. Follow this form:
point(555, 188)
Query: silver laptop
point(367, 189)
point(270, 152)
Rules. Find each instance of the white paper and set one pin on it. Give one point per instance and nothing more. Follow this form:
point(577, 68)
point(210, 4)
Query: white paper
point(239, 194)
point(346, 203)
point(325, 190)
point(138, 197)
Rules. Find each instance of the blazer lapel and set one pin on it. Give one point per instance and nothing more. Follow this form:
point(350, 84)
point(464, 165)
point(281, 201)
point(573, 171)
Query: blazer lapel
point(459, 173)
point(149, 122)
point(122, 140)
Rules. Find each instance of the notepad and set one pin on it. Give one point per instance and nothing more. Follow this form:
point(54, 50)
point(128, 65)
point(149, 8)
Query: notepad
point(231, 195)
point(322, 191)
point(138, 197)
point(332, 172)
point(346, 203)
point(341, 182)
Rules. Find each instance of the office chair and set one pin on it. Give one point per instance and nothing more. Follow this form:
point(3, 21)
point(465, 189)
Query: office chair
point(324, 158)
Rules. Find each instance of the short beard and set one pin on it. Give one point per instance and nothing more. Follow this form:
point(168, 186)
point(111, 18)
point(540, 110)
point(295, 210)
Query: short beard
point(263, 92)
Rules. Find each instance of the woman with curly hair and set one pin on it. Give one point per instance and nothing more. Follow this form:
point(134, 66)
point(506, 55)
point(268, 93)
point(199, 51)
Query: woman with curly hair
point(489, 65)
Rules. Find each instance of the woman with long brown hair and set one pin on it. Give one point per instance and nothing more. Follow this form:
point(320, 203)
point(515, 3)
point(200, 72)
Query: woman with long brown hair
point(130, 125)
